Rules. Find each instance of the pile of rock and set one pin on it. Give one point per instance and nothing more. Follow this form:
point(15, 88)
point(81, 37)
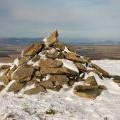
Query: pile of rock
point(50, 65)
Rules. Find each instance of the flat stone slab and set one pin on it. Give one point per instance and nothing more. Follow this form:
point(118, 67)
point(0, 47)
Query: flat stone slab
point(33, 49)
point(57, 71)
point(23, 73)
point(49, 63)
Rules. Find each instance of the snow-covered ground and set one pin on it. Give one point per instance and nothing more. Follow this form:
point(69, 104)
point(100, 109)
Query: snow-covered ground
point(64, 104)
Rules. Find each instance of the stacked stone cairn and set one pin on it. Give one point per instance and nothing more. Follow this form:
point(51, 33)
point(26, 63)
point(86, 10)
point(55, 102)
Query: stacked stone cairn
point(50, 65)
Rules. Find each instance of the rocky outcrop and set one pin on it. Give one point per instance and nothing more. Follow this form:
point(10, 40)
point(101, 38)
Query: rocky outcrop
point(51, 65)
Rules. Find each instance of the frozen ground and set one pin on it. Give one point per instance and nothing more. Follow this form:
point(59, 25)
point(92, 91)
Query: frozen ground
point(64, 105)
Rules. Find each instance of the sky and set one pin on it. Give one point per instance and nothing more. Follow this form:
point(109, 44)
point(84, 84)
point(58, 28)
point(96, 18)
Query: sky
point(94, 19)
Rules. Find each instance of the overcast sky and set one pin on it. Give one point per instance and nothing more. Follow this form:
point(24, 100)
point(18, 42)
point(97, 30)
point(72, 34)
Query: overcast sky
point(73, 18)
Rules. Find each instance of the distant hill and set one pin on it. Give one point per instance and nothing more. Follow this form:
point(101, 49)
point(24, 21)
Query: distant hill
point(81, 41)
point(18, 41)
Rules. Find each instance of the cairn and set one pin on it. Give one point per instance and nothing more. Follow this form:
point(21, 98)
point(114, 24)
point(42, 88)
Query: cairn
point(50, 65)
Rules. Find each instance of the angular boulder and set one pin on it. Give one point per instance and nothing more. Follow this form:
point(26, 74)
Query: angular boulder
point(33, 49)
point(16, 87)
point(35, 58)
point(22, 60)
point(57, 88)
point(71, 82)
point(74, 57)
point(23, 73)
point(37, 73)
point(35, 90)
point(10, 72)
point(47, 84)
point(91, 80)
point(58, 71)
point(52, 53)
point(80, 66)
point(59, 79)
point(53, 38)
point(88, 91)
point(99, 69)
point(116, 78)
point(49, 63)
point(96, 72)
point(4, 78)
point(59, 46)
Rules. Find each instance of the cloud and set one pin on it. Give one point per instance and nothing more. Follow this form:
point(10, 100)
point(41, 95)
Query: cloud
point(74, 18)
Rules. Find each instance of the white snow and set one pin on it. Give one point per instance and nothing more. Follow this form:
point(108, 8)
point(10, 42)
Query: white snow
point(43, 56)
point(45, 41)
point(5, 64)
point(66, 105)
point(36, 63)
point(109, 83)
point(66, 49)
point(30, 62)
point(46, 77)
point(69, 64)
point(12, 66)
point(112, 66)
point(2, 73)
point(33, 63)
point(51, 51)
point(16, 62)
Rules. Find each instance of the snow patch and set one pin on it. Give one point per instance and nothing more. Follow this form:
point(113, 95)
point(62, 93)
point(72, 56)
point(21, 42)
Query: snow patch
point(36, 63)
point(30, 62)
point(2, 73)
point(51, 51)
point(69, 64)
point(12, 66)
point(46, 77)
point(111, 66)
point(5, 64)
point(45, 41)
point(66, 49)
point(43, 56)
point(16, 62)
point(109, 83)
